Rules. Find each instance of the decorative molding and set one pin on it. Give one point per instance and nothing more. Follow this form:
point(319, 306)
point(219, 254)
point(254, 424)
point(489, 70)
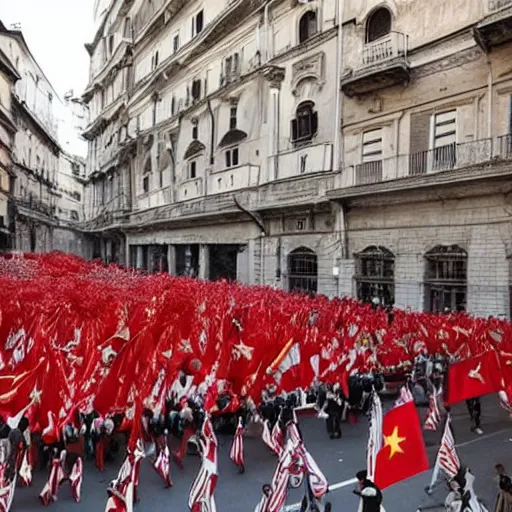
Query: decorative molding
point(312, 67)
point(452, 61)
point(275, 75)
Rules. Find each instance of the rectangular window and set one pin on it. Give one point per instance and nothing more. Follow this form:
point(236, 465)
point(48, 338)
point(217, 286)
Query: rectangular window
point(197, 23)
point(176, 43)
point(195, 132)
point(196, 89)
point(232, 117)
point(372, 145)
point(111, 45)
point(192, 170)
point(443, 141)
point(145, 184)
point(370, 170)
point(232, 157)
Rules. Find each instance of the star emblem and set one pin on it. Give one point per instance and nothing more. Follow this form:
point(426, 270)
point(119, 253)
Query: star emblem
point(242, 350)
point(475, 374)
point(35, 395)
point(393, 441)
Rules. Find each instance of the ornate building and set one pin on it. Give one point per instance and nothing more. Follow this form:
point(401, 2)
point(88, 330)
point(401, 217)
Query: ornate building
point(37, 156)
point(213, 139)
point(424, 193)
point(8, 78)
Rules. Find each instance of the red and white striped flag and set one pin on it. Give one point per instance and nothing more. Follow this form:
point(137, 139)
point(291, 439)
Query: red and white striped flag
point(447, 458)
point(279, 486)
point(505, 402)
point(25, 472)
point(293, 433)
point(404, 397)
point(51, 488)
point(433, 414)
point(75, 479)
point(375, 435)
point(317, 481)
point(277, 438)
point(7, 495)
point(267, 437)
point(201, 498)
point(162, 464)
point(236, 453)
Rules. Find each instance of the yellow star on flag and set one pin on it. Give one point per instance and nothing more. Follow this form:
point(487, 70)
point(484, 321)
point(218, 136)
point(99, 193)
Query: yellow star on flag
point(393, 441)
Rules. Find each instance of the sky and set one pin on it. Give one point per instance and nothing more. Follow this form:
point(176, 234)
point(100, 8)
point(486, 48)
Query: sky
point(56, 31)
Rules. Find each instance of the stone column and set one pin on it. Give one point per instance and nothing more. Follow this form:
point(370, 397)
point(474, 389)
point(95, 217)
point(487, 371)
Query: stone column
point(204, 262)
point(139, 256)
point(274, 76)
point(171, 259)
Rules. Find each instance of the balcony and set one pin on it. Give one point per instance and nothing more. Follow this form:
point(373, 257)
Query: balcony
point(189, 189)
point(234, 178)
point(471, 160)
point(496, 28)
point(308, 159)
point(383, 64)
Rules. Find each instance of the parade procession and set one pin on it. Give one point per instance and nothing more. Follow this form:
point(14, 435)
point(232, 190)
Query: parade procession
point(92, 354)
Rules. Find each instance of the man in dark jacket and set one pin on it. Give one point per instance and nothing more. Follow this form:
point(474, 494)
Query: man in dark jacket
point(369, 493)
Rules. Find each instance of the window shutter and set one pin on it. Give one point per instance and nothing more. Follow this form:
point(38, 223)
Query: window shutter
point(314, 123)
point(294, 129)
point(419, 142)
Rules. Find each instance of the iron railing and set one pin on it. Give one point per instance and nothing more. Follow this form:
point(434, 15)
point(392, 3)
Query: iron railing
point(390, 47)
point(444, 158)
point(496, 5)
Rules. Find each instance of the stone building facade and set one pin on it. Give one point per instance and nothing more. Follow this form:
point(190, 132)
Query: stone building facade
point(424, 191)
point(268, 142)
point(8, 77)
point(212, 139)
point(37, 156)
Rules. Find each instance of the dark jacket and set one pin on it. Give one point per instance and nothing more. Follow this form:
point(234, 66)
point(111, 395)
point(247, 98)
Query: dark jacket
point(371, 496)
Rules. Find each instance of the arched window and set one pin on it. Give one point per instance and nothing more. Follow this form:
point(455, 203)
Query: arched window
point(305, 124)
point(375, 275)
point(446, 279)
point(303, 271)
point(307, 26)
point(378, 24)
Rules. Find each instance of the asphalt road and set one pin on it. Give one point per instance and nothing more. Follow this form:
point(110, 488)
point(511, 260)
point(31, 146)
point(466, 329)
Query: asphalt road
point(339, 459)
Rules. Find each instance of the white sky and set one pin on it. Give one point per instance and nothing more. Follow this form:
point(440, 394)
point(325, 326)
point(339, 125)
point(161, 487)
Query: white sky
point(56, 31)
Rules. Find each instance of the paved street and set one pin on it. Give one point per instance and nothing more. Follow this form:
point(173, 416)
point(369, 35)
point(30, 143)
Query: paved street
point(338, 459)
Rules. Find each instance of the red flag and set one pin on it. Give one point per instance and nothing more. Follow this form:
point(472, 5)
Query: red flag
point(403, 452)
point(474, 377)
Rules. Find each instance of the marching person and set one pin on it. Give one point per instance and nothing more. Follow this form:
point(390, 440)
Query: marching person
point(370, 494)
point(334, 411)
point(504, 497)
point(262, 505)
point(475, 412)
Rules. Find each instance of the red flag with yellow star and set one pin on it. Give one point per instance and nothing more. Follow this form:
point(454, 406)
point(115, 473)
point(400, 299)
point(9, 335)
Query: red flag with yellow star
point(403, 451)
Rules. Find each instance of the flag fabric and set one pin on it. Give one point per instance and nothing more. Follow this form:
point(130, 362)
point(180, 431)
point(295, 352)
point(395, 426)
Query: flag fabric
point(279, 485)
point(404, 396)
point(201, 497)
point(162, 464)
point(25, 472)
point(51, 488)
point(375, 435)
point(505, 402)
point(433, 414)
point(447, 459)
point(317, 481)
point(277, 438)
point(7, 495)
point(403, 453)
point(473, 378)
point(75, 479)
point(236, 454)
point(268, 438)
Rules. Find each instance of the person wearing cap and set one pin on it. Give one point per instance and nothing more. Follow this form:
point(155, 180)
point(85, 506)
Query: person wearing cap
point(370, 494)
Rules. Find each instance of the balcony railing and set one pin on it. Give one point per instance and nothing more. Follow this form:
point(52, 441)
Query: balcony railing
point(189, 189)
point(445, 158)
point(496, 5)
point(390, 47)
point(234, 178)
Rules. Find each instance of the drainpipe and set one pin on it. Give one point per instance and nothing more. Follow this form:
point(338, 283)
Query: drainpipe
point(267, 29)
point(489, 99)
point(336, 156)
point(212, 143)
